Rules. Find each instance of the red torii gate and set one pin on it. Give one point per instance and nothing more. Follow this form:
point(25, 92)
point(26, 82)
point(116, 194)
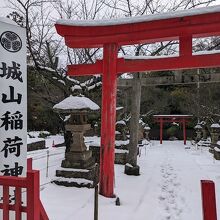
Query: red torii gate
point(172, 118)
point(111, 34)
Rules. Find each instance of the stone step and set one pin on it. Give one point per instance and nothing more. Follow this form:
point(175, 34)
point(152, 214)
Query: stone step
point(88, 174)
point(73, 182)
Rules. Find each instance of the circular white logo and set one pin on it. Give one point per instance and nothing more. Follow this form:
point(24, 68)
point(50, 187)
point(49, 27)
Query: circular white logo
point(11, 41)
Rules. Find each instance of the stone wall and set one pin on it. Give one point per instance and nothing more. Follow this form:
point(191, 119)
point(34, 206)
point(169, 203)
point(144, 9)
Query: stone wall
point(39, 145)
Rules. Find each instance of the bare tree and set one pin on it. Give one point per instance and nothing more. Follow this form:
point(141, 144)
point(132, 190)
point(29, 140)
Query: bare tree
point(130, 8)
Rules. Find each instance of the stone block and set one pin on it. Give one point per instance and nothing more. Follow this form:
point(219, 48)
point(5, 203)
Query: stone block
point(39, 145)
point(217, 153)
point(132, 170)
point(77, 177)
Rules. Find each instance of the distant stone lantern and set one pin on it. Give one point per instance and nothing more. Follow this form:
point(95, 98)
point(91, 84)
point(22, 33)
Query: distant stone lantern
point(76, 156)
point(215, 133)
point(198, 129)
point(146, 132)
point(204, 130)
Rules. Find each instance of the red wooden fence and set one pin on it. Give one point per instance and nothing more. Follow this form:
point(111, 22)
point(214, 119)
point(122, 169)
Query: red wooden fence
point(208, 200)
point(34, 208)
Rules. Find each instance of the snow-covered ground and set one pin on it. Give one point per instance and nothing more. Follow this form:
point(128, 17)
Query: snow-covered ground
point(167, 189)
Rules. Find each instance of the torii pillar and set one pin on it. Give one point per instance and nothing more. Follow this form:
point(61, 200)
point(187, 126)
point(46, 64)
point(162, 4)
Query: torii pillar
point(109, 91)
point(112, 34)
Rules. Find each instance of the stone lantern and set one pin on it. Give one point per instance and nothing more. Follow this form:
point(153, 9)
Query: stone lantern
point(204, 130)
point(121, 127)
point(198, 129)
point(215, 133)
point(146, 132)
point(76, 156)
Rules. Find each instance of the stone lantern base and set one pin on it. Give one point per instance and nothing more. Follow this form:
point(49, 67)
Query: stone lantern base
point(77, 177)
point(78, 169)
point(78, 160)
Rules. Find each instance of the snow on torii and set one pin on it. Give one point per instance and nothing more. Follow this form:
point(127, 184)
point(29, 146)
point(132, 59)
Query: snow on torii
point(111, 34)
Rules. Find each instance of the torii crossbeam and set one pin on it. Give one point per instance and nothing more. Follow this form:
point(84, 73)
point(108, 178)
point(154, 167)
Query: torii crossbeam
point(111, 34)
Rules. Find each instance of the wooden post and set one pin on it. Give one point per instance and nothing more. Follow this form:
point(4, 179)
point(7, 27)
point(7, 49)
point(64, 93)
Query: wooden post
point(5, 203)
point(161, 130)
point(109, 91)
point(33, 195)
point(96, 202)
point(184, 131)
point(18, 203)
point(208, 200)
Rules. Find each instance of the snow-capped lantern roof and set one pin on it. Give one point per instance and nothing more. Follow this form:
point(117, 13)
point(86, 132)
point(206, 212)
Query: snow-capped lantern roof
point(75, 104)
point(215, 125)
point(147, 128)
point(198, 126)
point(76, 87)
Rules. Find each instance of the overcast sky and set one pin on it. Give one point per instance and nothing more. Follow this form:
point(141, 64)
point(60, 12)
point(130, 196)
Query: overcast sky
point(5, 11)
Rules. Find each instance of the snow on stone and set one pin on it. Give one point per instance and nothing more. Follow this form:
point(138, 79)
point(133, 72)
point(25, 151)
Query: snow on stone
point(61, 81)
point(217, 149)
point(67, 117)
point(121, 122)
point(98, 83)
point(76, 103)
point(127, 76)
point(76, 87)
point(72, 169)
point(138, 19)
point(198, 127)
point(119, 108)
point(76, 180)
point(121, 143)
point(120, 151)
point(73, 80)
point(141, 122)
point(216, 125)
point(91, 87)
point(128, 165)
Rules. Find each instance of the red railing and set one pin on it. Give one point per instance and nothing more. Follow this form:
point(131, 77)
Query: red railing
point(34, 208)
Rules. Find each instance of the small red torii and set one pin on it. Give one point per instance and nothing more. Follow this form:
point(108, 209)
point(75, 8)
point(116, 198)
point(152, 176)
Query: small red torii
point(183, 119)
point(111, 34)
